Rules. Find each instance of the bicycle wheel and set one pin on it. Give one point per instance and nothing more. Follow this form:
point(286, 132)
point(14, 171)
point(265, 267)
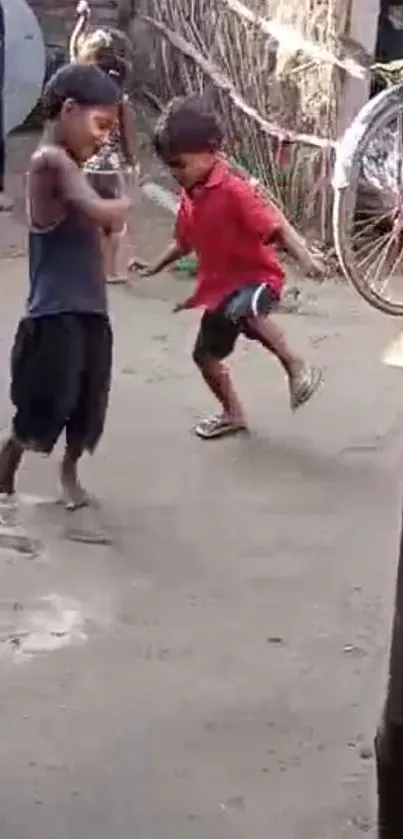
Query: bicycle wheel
point(368, 203)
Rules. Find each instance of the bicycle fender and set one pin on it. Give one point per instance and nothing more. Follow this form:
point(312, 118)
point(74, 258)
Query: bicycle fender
point(348, 147)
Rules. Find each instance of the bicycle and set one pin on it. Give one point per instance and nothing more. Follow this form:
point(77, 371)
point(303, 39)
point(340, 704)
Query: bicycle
point(368, 196)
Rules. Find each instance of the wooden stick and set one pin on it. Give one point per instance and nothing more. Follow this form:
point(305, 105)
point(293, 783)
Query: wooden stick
point(226, 86)
point(289, 37)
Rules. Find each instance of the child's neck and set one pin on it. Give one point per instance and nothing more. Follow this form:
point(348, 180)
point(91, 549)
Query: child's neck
point(203, 180)
point(50, 137)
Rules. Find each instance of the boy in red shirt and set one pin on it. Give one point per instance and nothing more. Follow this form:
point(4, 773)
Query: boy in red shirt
point(231, 229)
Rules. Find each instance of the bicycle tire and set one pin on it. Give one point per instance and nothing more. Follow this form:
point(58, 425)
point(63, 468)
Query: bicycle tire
point(389, 106)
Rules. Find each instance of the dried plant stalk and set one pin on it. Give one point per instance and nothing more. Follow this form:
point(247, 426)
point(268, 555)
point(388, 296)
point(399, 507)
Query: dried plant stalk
point(269, 91)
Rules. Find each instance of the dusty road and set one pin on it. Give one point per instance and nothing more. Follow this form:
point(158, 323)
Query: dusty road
point(203, 655)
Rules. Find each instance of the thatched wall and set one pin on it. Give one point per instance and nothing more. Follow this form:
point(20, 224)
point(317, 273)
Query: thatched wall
point(276, 88)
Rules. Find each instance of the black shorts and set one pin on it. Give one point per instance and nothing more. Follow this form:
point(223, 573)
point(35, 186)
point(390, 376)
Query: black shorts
point(219, 329)
point(60, 380)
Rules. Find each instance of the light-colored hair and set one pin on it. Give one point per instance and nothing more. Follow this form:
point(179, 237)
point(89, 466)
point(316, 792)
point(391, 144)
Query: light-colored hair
point(99, 40)
point(110, 50)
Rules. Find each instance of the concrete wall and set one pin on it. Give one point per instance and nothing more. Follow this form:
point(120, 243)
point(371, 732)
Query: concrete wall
point(57, 17)
point(363, 29)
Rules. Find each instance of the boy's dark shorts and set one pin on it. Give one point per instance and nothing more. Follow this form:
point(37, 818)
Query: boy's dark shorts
point(60, 380)
point(219, 329)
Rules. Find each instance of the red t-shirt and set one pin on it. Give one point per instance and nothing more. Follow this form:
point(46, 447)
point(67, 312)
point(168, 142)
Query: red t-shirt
point(227, 223)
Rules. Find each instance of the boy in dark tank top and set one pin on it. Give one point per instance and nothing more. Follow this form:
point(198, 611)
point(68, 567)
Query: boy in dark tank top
point(62, 353)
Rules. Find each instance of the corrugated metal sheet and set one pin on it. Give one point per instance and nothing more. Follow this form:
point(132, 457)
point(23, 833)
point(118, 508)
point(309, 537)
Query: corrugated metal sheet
point(24, 62)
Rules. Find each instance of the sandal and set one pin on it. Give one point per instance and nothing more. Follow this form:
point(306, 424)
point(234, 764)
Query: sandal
point(213, 428)
point(305, 386)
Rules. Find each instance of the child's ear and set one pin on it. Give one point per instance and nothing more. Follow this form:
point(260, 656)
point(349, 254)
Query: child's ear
point(68, 106)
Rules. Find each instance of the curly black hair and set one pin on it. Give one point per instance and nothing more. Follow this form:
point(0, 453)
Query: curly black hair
point(189, 124)
point(85, 84)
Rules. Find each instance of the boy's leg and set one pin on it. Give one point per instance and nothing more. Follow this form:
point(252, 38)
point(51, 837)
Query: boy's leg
point(40, 391)
point(74, 494)
point(116, 272)
point(6, 205)
point(108, 184)
point(104, 236)
point(215, 342)
point(111, 246)
point(86, 423)
point(304, 379)
point(11, 454)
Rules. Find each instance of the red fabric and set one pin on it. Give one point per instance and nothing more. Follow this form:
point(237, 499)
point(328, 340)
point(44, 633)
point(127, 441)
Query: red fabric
point(227, 223)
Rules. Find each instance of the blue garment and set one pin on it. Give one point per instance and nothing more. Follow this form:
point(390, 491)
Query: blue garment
point(66, 269)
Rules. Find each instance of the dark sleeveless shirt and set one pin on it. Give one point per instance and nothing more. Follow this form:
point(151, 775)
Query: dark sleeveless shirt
point(65, 268)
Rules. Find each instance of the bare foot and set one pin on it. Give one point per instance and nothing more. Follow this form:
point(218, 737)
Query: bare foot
point(74, 495)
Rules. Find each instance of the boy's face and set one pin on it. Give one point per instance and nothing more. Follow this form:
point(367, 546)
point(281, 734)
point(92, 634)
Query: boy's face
point(85, 129)
point(191, 168)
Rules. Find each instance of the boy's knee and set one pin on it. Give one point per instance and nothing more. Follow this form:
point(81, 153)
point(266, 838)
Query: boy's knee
point(252, 328)
point(205, 363)
point(199, 357)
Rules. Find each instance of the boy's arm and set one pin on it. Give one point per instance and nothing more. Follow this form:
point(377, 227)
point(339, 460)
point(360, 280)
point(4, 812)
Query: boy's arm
point(75, 190)
point(80, 29)
point(265, 219)
point(296, 246)
point(181, 245)
point(167, 258)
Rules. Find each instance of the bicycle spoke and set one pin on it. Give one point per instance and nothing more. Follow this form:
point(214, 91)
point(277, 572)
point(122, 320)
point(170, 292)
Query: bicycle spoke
point(381, 261)
point(392, 270)
point(374, 250)
point(370, 249)
point(368, 226)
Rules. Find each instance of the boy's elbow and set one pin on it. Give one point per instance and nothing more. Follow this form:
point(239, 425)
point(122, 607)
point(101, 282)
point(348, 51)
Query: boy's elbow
point(274, 235)
point(182, 248)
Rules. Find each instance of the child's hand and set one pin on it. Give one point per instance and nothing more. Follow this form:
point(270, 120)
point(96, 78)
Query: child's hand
point(121, 206)
point(83, 8)
point(143, 269)
point(180, 307)
point(316, 267)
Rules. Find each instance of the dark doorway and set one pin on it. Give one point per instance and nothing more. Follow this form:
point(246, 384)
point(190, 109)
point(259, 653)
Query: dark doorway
point(390, 31)
point(2, 138)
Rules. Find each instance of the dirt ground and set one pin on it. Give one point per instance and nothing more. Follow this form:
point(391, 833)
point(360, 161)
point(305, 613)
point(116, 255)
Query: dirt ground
point(203, 654)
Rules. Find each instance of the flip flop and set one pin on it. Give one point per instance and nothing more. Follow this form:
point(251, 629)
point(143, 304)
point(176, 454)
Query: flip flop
point(212, 428)
point(305, 386)
point(118, 280)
